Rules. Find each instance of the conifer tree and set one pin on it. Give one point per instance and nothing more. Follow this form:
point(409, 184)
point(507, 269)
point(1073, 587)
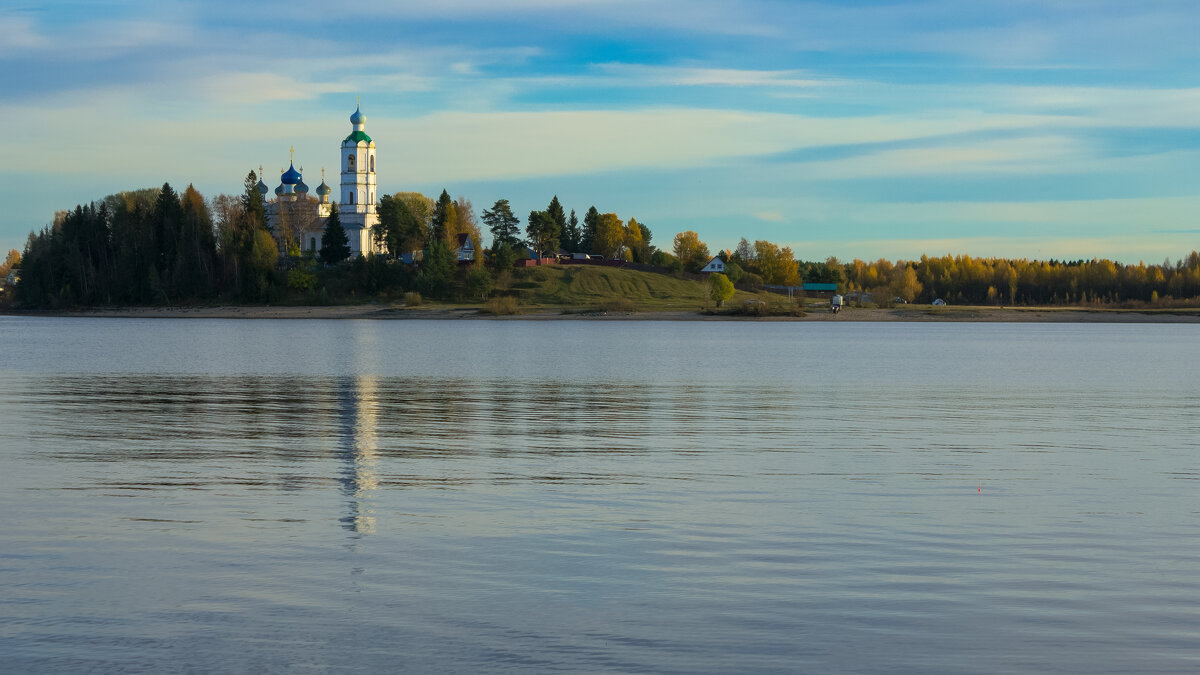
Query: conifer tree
point(558, 220)
point(587, 238)
point(335, 246)
point(571, 234)
point(252, 204)
point(439, 216)
point(505, 226)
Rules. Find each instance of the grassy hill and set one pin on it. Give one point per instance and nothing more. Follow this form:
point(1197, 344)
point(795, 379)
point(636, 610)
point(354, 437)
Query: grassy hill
point(604, 287)
point(610, 288)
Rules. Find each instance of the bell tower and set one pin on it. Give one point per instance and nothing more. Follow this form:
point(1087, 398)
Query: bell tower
point(358, 168)
point(356, 196)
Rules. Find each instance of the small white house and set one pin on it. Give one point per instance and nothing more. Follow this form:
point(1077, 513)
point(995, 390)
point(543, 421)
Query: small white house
point(714, 265)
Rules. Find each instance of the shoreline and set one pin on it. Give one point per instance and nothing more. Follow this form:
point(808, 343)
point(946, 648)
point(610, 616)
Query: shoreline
point(386, 312)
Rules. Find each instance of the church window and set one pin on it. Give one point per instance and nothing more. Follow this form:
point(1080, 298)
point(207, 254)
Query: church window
point(350, 197)
point(349, 162)
point(312, 243)
point(372, 163)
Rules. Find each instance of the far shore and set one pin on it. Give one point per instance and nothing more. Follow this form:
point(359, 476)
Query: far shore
point(389, 312)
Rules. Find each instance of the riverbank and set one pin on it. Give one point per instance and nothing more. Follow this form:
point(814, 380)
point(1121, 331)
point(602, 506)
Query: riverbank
point(390, 312)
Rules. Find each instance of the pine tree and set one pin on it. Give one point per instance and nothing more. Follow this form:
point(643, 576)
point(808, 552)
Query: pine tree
point(571, 234)
point(335, 246)
point(558, 221)
point(252, 204)
point(505, 227)
point(439, 216)
point(587, 238)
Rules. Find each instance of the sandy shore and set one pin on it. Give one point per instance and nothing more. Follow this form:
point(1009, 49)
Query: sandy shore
point(909, 313)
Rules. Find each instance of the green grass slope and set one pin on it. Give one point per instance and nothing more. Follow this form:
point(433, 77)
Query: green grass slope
point(606, 287)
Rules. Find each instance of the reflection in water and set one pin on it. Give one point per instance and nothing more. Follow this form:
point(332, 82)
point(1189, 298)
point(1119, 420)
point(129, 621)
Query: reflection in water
point(358, 419)
point(758, 516)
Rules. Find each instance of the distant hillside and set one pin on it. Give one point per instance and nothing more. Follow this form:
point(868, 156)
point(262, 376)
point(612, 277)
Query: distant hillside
point(587, 286)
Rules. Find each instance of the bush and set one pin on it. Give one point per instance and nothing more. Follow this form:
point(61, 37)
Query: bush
point(503, 305)
point(300, 279)
point(772, 307)
point(412, 299)
point(617, 306)
point(479, 282)
point(751, 282)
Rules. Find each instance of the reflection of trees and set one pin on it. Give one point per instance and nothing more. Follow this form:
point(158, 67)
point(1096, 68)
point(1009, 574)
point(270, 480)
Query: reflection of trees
point(282, 432)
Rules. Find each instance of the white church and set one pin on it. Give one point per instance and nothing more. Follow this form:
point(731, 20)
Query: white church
point(299, 220)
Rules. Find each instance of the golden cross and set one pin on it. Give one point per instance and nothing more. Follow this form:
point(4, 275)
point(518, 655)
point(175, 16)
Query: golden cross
point(357, 101)
point(292, 154)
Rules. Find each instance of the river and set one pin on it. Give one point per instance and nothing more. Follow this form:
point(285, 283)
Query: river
point(205, 495)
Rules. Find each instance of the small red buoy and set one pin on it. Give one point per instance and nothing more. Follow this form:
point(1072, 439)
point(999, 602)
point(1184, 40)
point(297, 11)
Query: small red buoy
point(980, 487)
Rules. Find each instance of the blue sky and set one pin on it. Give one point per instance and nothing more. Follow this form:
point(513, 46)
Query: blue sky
point(1020, 128)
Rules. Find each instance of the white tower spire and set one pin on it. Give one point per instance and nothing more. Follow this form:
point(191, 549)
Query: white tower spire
point(357, 193)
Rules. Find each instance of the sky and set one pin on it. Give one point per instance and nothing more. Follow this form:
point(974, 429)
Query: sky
point(859, 129)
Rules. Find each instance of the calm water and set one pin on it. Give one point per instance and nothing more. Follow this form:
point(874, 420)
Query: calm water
point(309, 496)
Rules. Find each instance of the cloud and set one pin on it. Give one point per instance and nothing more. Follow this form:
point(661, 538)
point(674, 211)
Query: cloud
point(692, 76)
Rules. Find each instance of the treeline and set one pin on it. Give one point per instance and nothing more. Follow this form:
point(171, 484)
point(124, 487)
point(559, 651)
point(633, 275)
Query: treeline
point(156, 247)
point(152, 246)
point(994, 281)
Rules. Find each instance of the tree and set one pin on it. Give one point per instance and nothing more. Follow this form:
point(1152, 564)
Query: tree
point(609, 235)
point(744, 253)
point(335, 246)
point(543, 233)
point(587, 238)
point(12, 260)
point(167, 214)
point(505, 227)
point(399, 229)
point(636, 241)
point(464, 223)
point(558, 218)
point(194, 273)
point(910, 287)
point(720, 288)
point(503, 257)
point(571, 235)
point(263, 258)
point(690, 251)
point(437, 268)
point(421, 208)
point(776, 265)
point(252, 203)
point(438, 220)
point(479, 282)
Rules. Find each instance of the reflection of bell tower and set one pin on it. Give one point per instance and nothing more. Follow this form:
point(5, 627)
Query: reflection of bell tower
point(358, 412)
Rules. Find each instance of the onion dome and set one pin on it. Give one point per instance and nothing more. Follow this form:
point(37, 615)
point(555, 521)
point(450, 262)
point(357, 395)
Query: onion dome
point(279, 191)
point(301, 188)
point(291, 176)
point(358, 118)
point(323, 190)
point(262, 187)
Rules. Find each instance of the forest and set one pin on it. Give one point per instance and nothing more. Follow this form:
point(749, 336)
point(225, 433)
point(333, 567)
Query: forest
point(159, 247)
